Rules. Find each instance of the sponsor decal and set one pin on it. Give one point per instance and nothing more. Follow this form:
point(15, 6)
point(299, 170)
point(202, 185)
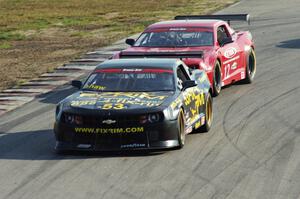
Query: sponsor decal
point(174, 29)
point(202, 120)
point(227, 75)
point(96, 87)
point(230, 53)
point(109, 130)
point(125, 95)
point(189, 129)
point(118, 100)
point(194, 99)
point(194, 96)
point(125, 70)
point(134, 95)
point(78, 103)
point(132, 70)
point(242, 75)
point(227, 69)
point(231, 60)
point(134, 145)
point(89, 95)
point(117, 106)
point(84, 146)
point(234, 66)
point(176, 103)
point(197, 124)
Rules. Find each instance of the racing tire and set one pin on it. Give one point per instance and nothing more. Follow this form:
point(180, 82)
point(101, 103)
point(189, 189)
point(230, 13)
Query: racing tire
point(217, 79)
point(181, 129)
point(250, 67)
point(208, 115)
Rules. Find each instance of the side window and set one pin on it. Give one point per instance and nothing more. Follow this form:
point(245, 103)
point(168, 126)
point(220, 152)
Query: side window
point(222, 33)
point(181, 76)
point(142, 40)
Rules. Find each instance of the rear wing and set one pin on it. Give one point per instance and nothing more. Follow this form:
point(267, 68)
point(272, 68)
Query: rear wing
point(227, 17)
point(180, 55)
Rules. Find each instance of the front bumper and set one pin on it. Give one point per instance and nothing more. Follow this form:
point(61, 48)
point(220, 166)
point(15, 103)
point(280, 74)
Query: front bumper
point(162, 135)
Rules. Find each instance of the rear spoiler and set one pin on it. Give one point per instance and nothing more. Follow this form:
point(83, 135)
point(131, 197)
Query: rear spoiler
point(228, 18)
point(180, 55)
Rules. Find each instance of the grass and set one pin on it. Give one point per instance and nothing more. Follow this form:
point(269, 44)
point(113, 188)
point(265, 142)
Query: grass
point(8, 36)
point(27, 26)
point(128, 15)
point(5, 45)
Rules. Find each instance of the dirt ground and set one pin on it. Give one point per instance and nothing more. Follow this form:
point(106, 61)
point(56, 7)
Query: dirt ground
point(30, 58)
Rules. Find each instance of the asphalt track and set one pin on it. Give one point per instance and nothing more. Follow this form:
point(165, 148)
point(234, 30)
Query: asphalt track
point(252, 151)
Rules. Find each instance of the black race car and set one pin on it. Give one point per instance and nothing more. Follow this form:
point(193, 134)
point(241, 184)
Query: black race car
point(134, 104)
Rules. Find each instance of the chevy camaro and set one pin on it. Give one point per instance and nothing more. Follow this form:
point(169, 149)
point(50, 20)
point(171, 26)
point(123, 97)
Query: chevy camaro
point(128, 104)
point(205, 42)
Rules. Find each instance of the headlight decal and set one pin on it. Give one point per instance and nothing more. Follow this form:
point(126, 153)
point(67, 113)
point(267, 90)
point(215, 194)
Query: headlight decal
point(151, 118)
point(73, 119)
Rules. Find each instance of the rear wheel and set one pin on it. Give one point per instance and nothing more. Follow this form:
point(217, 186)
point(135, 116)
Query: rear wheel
point(208, 115)
point(217, 79)
point(250, 67)
point(181, 128)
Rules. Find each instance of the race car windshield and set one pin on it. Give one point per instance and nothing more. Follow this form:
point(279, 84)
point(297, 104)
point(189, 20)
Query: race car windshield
point(130, 80)
point(172, 38)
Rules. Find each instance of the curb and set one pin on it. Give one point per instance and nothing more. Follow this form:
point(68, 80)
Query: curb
point(17, 96)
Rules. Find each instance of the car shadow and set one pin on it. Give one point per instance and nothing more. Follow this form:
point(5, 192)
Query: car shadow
point(58, 94)
point(294, 44)
point(39, 145)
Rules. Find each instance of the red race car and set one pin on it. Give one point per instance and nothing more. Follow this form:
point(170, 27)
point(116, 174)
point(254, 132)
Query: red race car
point(202, 42)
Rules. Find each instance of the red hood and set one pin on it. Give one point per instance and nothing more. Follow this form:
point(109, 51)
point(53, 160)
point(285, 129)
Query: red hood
point(191, 62)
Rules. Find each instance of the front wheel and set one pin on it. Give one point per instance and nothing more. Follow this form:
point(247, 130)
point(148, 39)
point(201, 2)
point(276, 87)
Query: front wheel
point(217, 79)
point(250, 67)
point(181, 129)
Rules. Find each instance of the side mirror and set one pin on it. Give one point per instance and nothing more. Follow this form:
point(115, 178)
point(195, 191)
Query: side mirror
point(190, 71)
point(226, 40)
point(130, 41)
point(76, 84)
point(188, 84)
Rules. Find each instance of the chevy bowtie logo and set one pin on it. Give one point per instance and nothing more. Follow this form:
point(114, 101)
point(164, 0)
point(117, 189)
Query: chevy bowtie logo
point(109, 121)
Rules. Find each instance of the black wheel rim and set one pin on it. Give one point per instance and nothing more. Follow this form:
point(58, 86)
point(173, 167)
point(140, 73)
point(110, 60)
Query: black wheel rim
point(217, 78)
point(252, 65)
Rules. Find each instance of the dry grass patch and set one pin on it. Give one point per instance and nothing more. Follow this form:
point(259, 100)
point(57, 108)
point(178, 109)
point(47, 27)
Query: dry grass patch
point(39, 35)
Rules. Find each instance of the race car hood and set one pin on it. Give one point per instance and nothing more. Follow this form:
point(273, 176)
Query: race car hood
point(192, 61)
point(117, 100)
